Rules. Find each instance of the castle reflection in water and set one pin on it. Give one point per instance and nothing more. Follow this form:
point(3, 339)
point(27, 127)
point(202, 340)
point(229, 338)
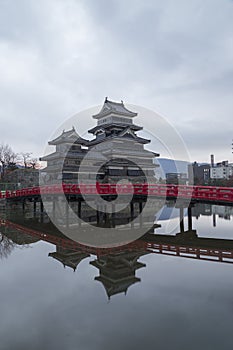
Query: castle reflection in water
point(117, 266)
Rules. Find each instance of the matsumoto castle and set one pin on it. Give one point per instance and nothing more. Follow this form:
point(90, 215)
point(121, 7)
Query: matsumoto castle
point(116, 151)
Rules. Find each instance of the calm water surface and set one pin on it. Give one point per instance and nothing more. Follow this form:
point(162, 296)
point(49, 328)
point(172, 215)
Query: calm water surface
point(157, 301)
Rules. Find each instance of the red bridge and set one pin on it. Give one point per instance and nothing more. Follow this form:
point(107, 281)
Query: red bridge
point(205, 193)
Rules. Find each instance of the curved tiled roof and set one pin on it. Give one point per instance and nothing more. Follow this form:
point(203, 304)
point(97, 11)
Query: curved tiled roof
point(67, 137)
point(112, 125)
point(114, 107)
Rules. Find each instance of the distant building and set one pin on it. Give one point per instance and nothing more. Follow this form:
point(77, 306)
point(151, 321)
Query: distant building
point(204, 209)
point(116, 146)
point(222, 211)
point(222, 170)
point(198, 173)
point(176, 178)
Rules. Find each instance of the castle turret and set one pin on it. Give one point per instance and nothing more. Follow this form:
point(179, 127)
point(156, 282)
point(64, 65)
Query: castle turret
point(124, 149)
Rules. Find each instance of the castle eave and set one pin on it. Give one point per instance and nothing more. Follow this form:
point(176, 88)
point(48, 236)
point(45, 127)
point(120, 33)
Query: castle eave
point(114, 107)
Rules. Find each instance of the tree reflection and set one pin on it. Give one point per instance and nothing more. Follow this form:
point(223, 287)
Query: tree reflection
point(6, 246)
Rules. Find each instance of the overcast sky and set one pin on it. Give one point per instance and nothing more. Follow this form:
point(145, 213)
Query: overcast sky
point(174, 57)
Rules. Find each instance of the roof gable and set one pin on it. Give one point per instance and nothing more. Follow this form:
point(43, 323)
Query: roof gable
point(117, 108)
point(127, 132)
point(69, 136)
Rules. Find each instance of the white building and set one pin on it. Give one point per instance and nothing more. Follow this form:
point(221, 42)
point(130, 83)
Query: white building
point(222, 170)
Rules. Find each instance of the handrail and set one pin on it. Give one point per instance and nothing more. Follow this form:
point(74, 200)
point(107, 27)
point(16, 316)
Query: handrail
point(161, 190)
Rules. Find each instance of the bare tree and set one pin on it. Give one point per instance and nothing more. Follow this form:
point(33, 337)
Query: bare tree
point(26, 158)
point(7, 156)
point(34, 163)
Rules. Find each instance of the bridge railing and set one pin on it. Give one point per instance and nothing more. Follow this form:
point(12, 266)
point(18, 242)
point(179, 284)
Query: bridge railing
point(213, 193)
point(147, 189)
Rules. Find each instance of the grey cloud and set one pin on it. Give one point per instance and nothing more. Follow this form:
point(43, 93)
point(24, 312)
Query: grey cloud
point(58, 58)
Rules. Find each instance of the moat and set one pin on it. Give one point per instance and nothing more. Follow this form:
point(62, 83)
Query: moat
point(56, 296)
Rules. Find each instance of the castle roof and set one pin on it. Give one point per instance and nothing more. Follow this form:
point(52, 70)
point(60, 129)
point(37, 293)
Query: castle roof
point(125, 135)
point(112, 288)
point(71, 259)
point(114, 107)
point(69, 136)
point(114, 125)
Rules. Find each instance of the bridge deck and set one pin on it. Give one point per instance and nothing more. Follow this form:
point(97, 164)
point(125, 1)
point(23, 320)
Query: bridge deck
point(207, 193)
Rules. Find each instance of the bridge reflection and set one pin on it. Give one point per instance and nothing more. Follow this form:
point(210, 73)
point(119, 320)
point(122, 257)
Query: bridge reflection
point(118, 265)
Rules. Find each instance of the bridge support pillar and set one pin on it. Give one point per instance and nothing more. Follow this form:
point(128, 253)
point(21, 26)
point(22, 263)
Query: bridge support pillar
point(190, 226)
point(113, 215)
point(140, 207)
point(54, 208)
point(23, 205)
point(97, 215)
point(214, 220)
point(79, 211)
point(67, 212)
point(34, 208)
point(132, 213)
point(140, 213)
point(181, 219)
point(105, 215)
point(41, 211)
point(132, 209)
